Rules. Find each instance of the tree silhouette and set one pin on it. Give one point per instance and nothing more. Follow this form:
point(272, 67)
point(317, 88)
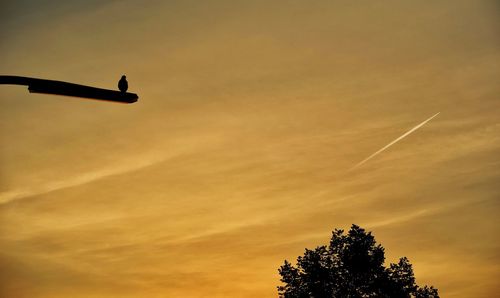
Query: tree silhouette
point(351, 266)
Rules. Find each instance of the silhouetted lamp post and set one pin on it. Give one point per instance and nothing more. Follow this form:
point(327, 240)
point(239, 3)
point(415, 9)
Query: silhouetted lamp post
point(69, 89)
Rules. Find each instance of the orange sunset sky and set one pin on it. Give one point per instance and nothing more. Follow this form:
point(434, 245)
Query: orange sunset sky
point(237, 155)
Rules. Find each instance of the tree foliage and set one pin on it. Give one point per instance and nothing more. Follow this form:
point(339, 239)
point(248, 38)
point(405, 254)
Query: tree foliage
point(351, 266)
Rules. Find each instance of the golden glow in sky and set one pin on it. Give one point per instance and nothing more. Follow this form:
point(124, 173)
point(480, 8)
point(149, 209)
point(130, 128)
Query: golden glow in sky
point(238, 153)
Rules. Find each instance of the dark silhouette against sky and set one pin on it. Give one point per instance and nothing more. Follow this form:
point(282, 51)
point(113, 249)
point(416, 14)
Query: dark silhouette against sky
point(69, 89)
point(351, 266)
point(123, 84)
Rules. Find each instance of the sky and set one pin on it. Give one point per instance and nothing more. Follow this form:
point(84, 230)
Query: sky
point(240, 151)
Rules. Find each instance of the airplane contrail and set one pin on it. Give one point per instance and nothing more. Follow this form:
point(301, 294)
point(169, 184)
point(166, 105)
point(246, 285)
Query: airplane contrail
point(392, 143)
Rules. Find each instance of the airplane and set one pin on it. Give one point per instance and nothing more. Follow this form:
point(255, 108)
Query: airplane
point(69, 89)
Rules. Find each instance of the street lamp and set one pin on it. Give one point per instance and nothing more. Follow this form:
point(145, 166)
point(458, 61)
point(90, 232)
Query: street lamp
point(69, 89)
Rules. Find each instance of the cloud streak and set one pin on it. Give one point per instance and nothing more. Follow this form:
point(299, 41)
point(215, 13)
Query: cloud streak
point(78, 180)
point(392, 143)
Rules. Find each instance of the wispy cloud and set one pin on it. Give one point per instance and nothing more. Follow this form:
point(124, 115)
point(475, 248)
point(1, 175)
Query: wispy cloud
point(80, 179)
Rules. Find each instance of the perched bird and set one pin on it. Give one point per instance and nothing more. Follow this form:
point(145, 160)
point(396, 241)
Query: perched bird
point(123, 84)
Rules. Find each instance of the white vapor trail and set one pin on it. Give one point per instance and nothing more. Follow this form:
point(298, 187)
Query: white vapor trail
point(393, 142)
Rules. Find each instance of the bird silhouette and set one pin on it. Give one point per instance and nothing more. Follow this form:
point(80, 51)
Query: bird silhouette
point(123, 84)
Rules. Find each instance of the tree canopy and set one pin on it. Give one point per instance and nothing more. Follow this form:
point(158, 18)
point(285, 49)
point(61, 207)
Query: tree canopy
point(352, 265)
